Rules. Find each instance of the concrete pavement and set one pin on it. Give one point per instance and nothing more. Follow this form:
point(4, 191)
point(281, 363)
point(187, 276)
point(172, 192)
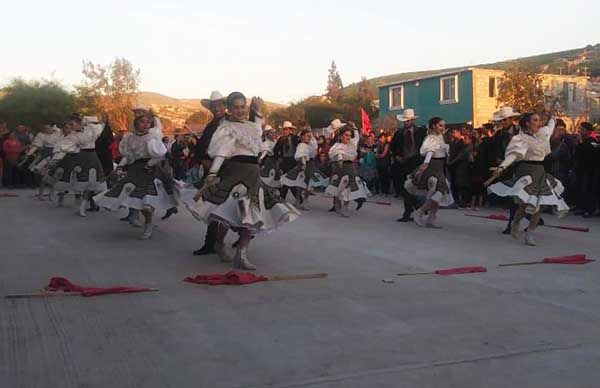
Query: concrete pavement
point(536, 326)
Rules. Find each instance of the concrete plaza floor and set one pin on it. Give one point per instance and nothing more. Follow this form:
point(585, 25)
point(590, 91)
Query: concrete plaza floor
point(531, 326)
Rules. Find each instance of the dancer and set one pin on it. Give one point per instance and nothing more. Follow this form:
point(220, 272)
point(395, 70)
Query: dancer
point(142, 187)
point(530, 187)
point(505, 119)
point(429, 179)
point(60, 167)
point(41, 151)
point(301, 176)
point(133, 215)
point(269, 170)
point(404, 147)
point(232, 194)
point(87, 170)
point(217, 106)
point(345, 184)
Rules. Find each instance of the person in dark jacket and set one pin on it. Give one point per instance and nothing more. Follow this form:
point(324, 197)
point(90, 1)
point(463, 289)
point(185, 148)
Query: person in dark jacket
point(405, 148)
point(217, 106)
point(284, 152)
point(587, 170)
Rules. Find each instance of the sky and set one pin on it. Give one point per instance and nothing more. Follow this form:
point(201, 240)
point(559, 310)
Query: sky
point(280, 50)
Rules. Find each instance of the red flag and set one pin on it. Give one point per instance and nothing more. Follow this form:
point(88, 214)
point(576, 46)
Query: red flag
point(64, 285)
point(366, 122)
point(572, 259)
point(232, 278)
point(460, 270)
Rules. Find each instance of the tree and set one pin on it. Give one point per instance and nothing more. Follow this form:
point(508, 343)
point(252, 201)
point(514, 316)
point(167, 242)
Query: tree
point(334, 84)
point(35, 103)
point(112, 89)
point(522, 90)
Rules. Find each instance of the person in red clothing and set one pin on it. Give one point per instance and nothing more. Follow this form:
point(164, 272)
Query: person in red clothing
point(12, 149)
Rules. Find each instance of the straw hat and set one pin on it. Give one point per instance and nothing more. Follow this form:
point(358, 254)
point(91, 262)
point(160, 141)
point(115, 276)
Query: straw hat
point(214, 96)
point(408, 114)
point(287, 124)
point(337, 124)
point(140, 107)
point(506, 112)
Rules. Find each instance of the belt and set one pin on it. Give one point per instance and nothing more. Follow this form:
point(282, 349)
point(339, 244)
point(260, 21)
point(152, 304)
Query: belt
point(244, 159)
point(88, 150)
point(438, 158)
point(533, 162)
point(347, 161)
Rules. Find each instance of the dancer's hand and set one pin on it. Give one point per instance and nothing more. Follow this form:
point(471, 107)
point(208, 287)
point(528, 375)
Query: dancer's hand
point(495, 175)
point(421, 170)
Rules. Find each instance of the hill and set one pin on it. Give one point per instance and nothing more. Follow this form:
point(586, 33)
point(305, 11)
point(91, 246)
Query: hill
point(176, 111)
point(568, 62)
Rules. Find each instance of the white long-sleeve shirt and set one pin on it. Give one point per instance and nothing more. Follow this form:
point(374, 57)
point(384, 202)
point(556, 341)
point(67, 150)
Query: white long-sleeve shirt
point(65, 145)
point(306, 152)
point(233, 138)
point(345, 152)
point(86, 139)
point(44, 140)
point(434, 146)
point(526, 147)
point(134, 147)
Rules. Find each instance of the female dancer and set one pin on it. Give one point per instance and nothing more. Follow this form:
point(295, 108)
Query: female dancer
point(429, 179)
point(345, 184)
point(531, 187)
point(41, 150)
point(87, 170)
point(301, 176)
point(269, 171)
point(232, 194)
point(60, 167)
point(142, 187)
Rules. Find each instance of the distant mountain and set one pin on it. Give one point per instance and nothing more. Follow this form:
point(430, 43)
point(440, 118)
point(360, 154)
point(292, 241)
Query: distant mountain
point(576, 61)
point(175, 112)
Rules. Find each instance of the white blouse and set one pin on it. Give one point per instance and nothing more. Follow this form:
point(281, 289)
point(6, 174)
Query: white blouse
point(233, 138)
point(306, 152)
point(534, 147)
point(86, 139)
point(345, 152)
point(134, 147)
point(266, 148)
point(42, 139)
point(65, 145)
point(434, 146)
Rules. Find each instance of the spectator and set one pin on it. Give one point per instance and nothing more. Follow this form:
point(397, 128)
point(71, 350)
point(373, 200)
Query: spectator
point(178, 155)
point(458, 166)
point(587, 170)
point(384, 158)
point(12, 149)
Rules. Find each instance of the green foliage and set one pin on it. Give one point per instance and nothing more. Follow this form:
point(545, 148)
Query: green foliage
point(522, 90)
point(35, 103)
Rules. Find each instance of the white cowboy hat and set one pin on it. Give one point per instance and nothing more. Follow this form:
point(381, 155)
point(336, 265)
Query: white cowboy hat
point(506, 112)
point(90, 119)
point(408, 114)
point(495, 117)
point(267, 128)
point(337, 124)
point(287, 124)
point(140, 107)
point(214, 96)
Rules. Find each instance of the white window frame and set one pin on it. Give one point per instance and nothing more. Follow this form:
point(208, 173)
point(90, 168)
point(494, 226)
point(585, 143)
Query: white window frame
point(391, 90)
point(455, 99)
point(496, 85)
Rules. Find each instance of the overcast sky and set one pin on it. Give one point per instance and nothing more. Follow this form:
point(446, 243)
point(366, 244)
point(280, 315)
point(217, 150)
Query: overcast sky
point(280, 50)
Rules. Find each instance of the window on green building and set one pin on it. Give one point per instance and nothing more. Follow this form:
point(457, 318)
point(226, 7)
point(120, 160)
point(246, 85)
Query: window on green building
point(396, 98)
point(449, 89)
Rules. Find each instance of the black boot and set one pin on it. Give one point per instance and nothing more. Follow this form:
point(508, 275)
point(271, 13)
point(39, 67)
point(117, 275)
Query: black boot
point(209, 241)
point(359, 203)
point(169, 213)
